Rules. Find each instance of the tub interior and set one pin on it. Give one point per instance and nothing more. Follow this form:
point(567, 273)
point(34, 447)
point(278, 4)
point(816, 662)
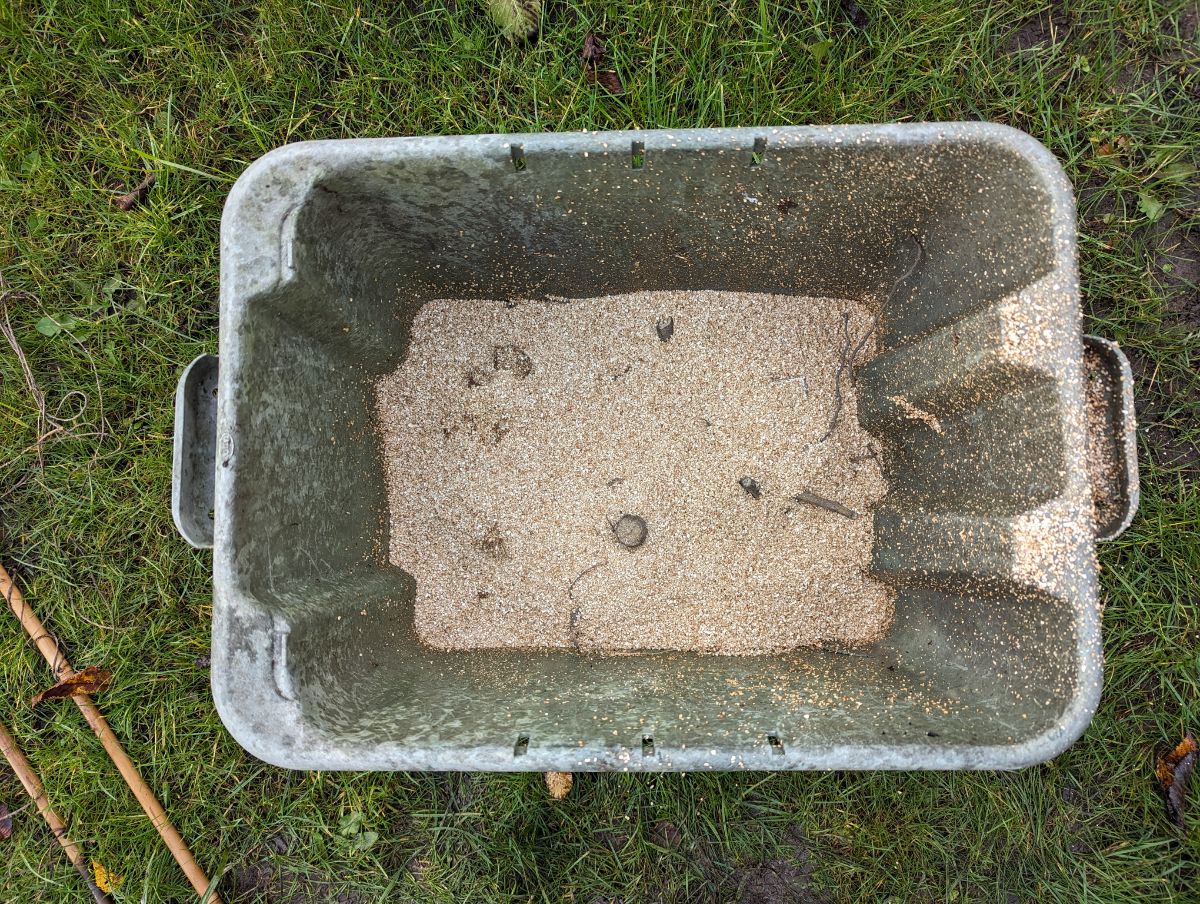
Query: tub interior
point(955, 237)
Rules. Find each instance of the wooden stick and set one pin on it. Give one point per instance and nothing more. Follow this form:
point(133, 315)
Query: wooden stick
point(37, 792)
point(810, 498)
point(50, 651)
point(131, 200)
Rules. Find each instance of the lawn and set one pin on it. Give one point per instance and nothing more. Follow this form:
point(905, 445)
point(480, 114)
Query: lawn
point(109, 305)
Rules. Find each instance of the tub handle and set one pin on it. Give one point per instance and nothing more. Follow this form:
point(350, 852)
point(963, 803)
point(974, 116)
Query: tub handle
point(193, 467)
point(1115, 435)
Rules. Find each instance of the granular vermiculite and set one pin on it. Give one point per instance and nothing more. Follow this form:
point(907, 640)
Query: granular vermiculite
point(517, 437)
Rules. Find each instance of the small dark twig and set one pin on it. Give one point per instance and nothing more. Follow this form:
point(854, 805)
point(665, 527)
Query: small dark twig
point(579, 577)
point(577, 612)
point(135, 197)
point(809, 498)
point(850, 356)
point(837, 380)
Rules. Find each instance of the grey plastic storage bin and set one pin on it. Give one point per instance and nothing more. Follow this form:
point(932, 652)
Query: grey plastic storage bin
point(329, 248)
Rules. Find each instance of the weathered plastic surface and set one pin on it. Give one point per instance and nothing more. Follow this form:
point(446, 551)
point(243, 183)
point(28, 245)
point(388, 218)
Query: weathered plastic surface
point(329, 248)
point(193, 465)
point(1120, 436)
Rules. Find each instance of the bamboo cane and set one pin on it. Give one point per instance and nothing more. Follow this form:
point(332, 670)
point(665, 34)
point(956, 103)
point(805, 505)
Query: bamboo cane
point(50, 651)
point(36, 791)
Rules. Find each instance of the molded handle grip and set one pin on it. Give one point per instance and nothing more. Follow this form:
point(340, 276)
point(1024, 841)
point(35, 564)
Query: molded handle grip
point(194, 464)
point(1112, 436)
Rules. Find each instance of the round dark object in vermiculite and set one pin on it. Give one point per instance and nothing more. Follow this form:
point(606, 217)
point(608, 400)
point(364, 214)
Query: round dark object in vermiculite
point(512, 358)
point(631, 531)
point(665, 327)
point(750, 485)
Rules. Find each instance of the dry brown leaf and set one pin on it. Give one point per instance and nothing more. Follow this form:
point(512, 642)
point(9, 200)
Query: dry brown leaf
point(1167, 764)
point(606, 79)
point(1176, 793)
point(592, 54)
point(5, 822)
point(91, 680)
point(610, 80)
point(1173, 772)
point(106, 881)
point(593, 49)
point(559, 784)
point(1110, 146)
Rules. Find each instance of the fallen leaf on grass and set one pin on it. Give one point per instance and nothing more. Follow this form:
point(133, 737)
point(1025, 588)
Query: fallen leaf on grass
point(5, 822)
point(1110, 145)
point(592, 53)
point(91, 680)
point(559, 784)
point(1173, 772)
point(135, 197)
point(607, 79)
point(593, 49)
point(106, 881)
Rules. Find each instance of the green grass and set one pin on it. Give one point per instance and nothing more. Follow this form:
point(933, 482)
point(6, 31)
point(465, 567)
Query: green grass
point(93, 93)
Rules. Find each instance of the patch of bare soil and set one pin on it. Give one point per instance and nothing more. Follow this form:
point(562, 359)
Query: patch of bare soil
point(1048, 27)
point(1178, 260)
point(777, 881)
point(266, 883)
